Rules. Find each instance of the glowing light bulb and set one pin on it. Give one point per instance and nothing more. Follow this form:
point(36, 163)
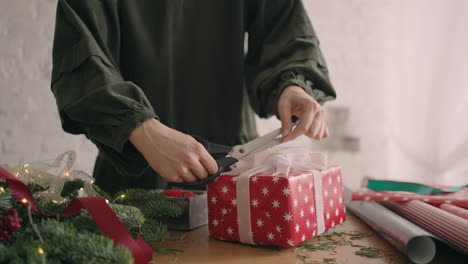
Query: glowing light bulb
point(40, 251)
point(24, 200)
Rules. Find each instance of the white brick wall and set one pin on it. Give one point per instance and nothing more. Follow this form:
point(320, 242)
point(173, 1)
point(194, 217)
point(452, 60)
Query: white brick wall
point(29, 124)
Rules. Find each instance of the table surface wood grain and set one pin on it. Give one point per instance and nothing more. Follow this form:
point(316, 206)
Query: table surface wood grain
point(198, 248)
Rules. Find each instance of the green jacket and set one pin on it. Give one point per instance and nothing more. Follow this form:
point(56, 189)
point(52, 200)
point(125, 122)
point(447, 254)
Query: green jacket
point(117, 63)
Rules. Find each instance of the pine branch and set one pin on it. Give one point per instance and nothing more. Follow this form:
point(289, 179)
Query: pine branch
point(130, 216)
point(5, 200)
point(153, 232)
point(70, 188)
point(64, 243)
point(160, 207)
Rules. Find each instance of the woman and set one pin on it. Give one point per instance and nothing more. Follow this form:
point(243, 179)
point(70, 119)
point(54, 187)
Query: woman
point(138, 77)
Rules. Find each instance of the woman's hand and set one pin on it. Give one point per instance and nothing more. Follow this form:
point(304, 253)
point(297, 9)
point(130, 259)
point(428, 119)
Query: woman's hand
point(295, 101)
point(177, 157)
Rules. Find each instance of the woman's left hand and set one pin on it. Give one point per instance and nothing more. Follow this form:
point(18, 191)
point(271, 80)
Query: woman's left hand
point(294, 101)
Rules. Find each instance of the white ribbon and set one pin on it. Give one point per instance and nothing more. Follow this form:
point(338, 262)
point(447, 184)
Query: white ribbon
point(52, 177)
point(275, 161)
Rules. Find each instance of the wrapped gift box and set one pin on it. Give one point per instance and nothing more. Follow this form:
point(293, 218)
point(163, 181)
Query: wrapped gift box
point(194, 211)
point(281, 211)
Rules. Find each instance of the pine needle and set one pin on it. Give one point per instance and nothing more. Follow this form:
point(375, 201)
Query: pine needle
point(372, 252)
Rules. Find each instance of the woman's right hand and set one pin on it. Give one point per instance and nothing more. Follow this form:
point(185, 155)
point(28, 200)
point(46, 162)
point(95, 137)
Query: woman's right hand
point(177, 157)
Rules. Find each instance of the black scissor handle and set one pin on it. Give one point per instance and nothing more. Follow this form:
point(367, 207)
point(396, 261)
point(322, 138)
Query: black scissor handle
point(223, 165)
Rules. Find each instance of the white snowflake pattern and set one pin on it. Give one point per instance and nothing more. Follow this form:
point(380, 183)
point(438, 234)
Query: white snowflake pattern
point(426, 200)
point(332, 203)
point(259, 222)
point(230, 231)
point(290, 242)
point(306, 199)
point(275, 179)
point(308, 223)
point(265, 190)
point(333, 223)
point(287, 217)
point(313, 233)
point(268, 214)
point(299, 188)
point(234, 202)
point(312, 209)
point(275, 204)
point(254, 179)
point(378, 194)
point(224, 211)
point(338, 178)
point(302, 213)
point(405, 198)
point(297, 228)
point(447, 201)
point(386, 198)
point(213, 199)
point(337, 212)
point(234, 179)
point(325, 193)
point(286, 191)
point(215, 222)
point(225, 189)
point(341, 220)
point(295, 202)
point(330, 180)
point(340, 200)
point(303, 238)
point(278, 229)
point(367, 198)
point(270, 236)
point(328, 215)
point(310, 186)
point(335, 190)
point(254, 202)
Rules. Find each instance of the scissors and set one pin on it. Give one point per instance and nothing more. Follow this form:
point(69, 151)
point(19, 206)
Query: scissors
point(226, 156)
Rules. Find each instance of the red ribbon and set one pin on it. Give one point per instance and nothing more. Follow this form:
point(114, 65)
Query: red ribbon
point(97, 208)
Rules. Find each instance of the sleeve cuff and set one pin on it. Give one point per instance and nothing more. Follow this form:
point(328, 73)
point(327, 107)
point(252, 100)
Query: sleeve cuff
point(132, 120)
point(292, 78)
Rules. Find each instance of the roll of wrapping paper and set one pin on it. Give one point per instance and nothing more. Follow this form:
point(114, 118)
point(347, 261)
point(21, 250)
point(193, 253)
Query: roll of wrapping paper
point(413, 241)
point(452, 229)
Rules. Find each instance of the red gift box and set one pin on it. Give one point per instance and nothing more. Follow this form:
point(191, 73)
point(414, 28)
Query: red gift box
point(281, 211)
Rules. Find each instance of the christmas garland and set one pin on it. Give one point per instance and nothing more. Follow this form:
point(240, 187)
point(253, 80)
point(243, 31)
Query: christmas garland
point(29, 237)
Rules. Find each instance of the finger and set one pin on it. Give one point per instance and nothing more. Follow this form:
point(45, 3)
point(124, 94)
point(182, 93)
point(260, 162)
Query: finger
point(178, 179)
point(326, 134)
point(286, 123)
point(321, 132)
point(316, 124)
point(188, 177)
point(208, 163)
point(312, 130)
point(304, 124)
point(199, 171)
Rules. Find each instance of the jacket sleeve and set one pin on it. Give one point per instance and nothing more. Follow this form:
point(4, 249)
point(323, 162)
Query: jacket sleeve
point(283, 50)
point(91, 95)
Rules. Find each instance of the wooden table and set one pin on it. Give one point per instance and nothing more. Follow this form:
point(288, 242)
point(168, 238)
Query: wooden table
point(200, 249)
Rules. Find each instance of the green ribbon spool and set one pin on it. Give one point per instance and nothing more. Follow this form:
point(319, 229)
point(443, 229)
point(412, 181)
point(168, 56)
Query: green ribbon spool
point(378, 185)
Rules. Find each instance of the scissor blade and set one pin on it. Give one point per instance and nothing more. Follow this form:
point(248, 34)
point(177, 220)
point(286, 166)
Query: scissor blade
point(261, 143)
